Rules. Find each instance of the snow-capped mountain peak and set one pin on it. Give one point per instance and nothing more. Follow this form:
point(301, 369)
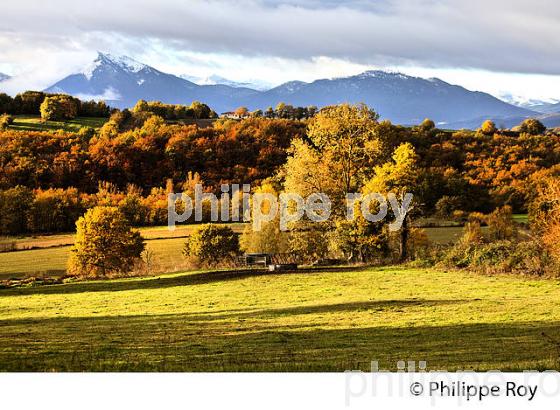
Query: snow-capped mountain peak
point(122, 81)
point(292, 86)
point(381, 75)
point(549, 105)
point(122, 63)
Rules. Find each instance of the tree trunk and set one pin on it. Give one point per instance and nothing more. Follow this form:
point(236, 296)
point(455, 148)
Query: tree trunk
point(403, 254)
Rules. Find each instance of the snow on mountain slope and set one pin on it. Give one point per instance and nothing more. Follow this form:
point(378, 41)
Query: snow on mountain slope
point(403, 99)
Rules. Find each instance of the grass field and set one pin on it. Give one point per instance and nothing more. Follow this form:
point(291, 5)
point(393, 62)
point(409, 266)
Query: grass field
point(150, 232)
point(307, 321)
point(52, 261)
point(166, 247)
point(521, 218)
point(34, 123)
point(52, 251)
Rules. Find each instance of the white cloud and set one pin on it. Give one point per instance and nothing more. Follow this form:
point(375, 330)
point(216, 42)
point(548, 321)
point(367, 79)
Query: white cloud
point(286, 40)
point(109, 94)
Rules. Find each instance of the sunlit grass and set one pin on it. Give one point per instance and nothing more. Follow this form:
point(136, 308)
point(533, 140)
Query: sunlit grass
point(166, 246)
point(329, 320)
point(52, 261)
point(34, 123)
point(148, 232)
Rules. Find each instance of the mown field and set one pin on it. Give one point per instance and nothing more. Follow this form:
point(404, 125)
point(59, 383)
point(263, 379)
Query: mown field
point(322, 320)
point(47, 255)
point(34, 123)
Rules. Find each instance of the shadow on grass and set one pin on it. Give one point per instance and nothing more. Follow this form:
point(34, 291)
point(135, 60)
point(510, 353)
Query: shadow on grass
point(158, 282)
point(183, 343)
point(377, 306)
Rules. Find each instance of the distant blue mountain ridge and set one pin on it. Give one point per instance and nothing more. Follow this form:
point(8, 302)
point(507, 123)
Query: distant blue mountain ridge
point(122, 81)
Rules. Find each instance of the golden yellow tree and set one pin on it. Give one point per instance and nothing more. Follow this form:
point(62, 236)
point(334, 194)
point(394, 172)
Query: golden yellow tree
point(544, 214)
point(347, 136)
point(398, 177)
point(269, 238)
point(105, 244)
point(338, 157)
point(343, 148)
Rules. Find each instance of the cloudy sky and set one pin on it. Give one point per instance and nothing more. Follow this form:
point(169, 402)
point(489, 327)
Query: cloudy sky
point(498, 46)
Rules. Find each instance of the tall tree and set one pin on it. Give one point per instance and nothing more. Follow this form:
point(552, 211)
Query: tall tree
point(347, 134)
point(399, 177)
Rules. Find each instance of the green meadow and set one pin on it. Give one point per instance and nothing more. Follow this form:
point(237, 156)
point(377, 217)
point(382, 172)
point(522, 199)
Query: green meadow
point(34, 123)
point(47, 254)
point(313, 320)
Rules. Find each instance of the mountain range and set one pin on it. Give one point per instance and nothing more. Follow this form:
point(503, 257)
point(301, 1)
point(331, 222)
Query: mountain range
point(547, 108)
point(122, 81)
point(216, 80)
point(401, 98)
point(542, 106)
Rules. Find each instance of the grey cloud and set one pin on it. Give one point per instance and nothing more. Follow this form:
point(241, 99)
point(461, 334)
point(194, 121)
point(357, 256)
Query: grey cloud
point(500, 35)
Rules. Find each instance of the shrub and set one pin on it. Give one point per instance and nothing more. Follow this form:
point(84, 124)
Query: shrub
point(472, 234)
point(86, 133)
point(359, 240)
point(492, 254)
point(551, 238)
point(418, 243)
point(478, 217)
point(526, 258)
point(308, 242)
point(446, 205)
point(463, 254)
point(531, 258)
point(5, 121)
point(501, 225)
point(532, 126)
point(212, 244)
point(458, 256)
point(105, 244)
point(544, 215)
point(59, 107)
point(488, 128)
